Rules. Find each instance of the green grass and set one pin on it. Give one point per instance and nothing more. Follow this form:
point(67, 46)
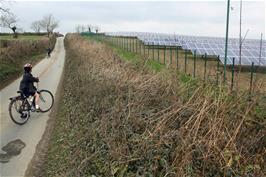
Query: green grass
point(9, 71)
point(153, 65)
point(130, 56)
point(20, 37)
point(13, 59)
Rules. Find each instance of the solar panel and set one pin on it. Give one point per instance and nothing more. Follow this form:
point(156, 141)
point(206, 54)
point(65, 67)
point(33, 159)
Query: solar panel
point(209, 45)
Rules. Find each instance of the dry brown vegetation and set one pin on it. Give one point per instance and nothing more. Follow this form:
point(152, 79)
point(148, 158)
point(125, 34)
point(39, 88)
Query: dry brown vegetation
point(241, 79)
point(15, 53)
point(122, 119)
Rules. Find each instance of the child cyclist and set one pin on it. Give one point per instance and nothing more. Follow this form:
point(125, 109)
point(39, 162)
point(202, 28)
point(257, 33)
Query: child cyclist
point(27, 87)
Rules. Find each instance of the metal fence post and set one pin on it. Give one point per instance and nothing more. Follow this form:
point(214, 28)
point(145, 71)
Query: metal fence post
point(140, 48)
point(218, 70)
point(233, 74)
point(176, 57)
point(148, 50)
point(171, 55)
point(205, 66)
point(130, 44)
point(127, 44)
point(164, 51)
point(194, 68)
point(135, 44)
point(186, 61)
point(158, 53)
point(124, 40)
point(251, 78)
point(144, 50)
point(123, 43)
point(153, 46)
point(124, 47)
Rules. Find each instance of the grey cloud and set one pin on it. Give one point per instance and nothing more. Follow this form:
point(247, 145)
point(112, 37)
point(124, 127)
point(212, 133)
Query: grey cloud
point(177, 16)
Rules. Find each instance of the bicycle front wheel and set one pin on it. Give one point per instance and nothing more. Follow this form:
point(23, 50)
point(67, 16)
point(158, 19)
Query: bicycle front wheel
point(46, 100)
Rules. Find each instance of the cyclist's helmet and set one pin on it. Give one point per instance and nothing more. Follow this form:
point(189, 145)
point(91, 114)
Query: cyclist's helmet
point(27, 67)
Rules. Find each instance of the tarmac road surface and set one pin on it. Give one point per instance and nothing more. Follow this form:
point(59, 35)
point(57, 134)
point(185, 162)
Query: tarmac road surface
point(21, 141)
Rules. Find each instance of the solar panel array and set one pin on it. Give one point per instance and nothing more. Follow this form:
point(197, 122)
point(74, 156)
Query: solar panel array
point(213, 46)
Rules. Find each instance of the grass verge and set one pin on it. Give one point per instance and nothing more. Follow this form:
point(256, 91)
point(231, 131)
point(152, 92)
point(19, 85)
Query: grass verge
point(9, 72)
point(117, 118)
point(16, 53)
point(131, 57)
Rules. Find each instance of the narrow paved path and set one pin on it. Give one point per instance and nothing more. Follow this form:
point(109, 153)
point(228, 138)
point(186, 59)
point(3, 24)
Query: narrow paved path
point(49, 71)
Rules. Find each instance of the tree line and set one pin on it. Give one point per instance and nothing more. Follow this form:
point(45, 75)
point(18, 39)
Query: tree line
point(9, 20)
point(87, 28)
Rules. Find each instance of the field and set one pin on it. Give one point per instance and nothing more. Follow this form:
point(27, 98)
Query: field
point(14, 53)
point(121, 115)
point(208, 68)
point(22, 37)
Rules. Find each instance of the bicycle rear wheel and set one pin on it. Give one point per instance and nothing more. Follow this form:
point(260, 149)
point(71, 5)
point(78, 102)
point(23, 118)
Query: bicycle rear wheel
point(46, 100)
point(19, 111)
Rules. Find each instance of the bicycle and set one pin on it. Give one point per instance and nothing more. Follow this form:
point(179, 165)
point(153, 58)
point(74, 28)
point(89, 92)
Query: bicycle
point(21, 106)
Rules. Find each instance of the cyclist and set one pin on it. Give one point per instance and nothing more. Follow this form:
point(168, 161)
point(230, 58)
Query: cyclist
point(27, 87)
point(49, 51)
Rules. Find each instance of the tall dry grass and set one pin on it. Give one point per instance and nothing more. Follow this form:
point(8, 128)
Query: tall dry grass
point(10, 50)
point(120, 119)
point(15, 53)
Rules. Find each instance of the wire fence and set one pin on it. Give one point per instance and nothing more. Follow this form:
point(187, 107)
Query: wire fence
point(207, 68)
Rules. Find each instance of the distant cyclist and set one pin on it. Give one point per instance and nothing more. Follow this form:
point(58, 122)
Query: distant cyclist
point(49, 51)
point(27, 87)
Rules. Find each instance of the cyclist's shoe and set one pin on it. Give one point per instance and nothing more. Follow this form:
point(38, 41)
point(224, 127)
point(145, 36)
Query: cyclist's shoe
point(23, 115)
point(33, 109)
point(37, 108)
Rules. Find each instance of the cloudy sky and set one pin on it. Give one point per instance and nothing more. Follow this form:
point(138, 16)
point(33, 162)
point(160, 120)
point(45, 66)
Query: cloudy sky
point(181, 17)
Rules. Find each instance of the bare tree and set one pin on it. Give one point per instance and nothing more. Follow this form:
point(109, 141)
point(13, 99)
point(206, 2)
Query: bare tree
point(78, 28)
point(83, 28)
point(48, 24)
point(36, 26)
point(4, 9)
point(97, 29)
point(89, 28)
point(9, 21)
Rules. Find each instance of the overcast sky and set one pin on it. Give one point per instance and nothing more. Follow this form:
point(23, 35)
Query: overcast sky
point(205, 18)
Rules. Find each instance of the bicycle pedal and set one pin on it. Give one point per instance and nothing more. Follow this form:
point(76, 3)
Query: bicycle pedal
point(24, 115)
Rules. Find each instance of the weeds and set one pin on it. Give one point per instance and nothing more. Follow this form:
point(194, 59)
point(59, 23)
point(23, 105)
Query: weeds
point(120, 119)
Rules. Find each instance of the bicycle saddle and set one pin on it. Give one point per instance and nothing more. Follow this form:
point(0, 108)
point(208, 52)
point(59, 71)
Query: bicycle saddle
point(22, 94)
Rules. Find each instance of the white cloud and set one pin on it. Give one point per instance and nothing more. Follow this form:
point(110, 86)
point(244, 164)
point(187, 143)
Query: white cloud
point(185, 17)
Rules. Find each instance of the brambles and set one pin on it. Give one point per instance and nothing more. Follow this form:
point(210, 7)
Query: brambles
point(118, 119)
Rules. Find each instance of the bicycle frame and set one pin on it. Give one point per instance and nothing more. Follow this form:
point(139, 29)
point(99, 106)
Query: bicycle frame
point(24, 105)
